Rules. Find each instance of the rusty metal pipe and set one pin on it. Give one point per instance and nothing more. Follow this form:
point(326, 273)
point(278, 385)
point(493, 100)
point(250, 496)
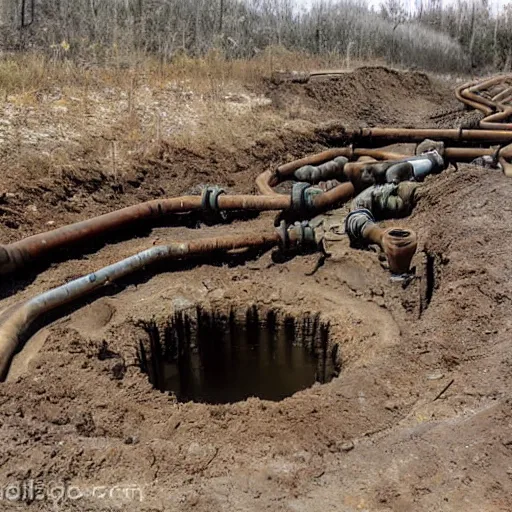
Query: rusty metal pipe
point(489, 124)
point(398, 244)
point(336, 196)
point(469, 154)
point(485, 84)
point(417, 135)
point(503, 95)
point(317, 159)
point(331, 154)
point(265, 181)
point(486, 106)
point(474, 104)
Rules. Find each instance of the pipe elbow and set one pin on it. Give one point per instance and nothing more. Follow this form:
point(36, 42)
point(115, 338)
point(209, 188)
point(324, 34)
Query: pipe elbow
point(357, 223)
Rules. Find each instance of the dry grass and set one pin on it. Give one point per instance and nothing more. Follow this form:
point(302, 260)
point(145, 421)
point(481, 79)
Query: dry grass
point(50, 108)
point(25, 73)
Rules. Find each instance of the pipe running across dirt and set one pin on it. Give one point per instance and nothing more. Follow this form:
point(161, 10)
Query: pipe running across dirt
point(354, 169)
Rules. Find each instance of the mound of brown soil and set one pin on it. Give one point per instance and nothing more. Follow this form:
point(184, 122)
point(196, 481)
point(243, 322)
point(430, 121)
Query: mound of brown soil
point(366, 96)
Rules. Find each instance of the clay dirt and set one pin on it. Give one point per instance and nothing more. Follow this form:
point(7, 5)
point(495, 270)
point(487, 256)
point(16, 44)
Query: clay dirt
point(419, 415)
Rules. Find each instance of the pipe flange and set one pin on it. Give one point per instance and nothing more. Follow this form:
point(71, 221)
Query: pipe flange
point(282, 231)
point(307, 233)
point(300, 231)
point(299, 203)
point(355, 224)
point(303, 235)
point(210, 203)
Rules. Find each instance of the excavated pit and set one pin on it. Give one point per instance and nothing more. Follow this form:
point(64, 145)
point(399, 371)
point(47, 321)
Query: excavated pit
point(217, 358)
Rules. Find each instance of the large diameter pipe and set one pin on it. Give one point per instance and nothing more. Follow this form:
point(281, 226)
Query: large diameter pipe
point(398, 244)
point(418, 135)
point(493, 122)
point(470, 103)
point(15, 321)
point(485, 84)
point(320, 158)
point(336, 196)
point(486, 105)
point(469, 154)
point(316, 159)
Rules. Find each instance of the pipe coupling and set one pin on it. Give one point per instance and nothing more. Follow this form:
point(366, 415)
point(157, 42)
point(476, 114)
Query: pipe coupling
point(399, 246)
point(302, 196)
point(356, 222)
point(210, 203)
point(299, 235)
point(323, 172)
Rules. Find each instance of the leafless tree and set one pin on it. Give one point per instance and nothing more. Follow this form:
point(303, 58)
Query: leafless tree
point(432, 36)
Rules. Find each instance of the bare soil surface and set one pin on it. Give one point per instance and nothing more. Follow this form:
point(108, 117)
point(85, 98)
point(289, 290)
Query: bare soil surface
point(419, 417)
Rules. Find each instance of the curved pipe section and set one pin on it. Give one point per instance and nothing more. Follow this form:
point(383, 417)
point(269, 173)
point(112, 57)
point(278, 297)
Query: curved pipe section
point(398, 244)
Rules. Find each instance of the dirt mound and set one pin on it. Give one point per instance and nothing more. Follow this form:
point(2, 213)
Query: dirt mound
point(368, 95)
point(458, 117)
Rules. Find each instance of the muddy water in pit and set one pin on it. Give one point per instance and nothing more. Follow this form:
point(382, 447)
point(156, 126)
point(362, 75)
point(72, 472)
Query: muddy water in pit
point(227, 359)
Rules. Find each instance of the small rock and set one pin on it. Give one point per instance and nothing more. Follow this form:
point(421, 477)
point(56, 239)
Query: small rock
point(435, 376)
point(50, 223)
point(391, 406)
point(85, 425)
point(131, 440)
point(347, 447)
point(118, 370)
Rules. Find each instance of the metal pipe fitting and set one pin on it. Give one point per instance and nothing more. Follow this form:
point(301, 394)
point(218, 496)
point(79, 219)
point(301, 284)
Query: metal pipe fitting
point(387, 201)
point(330, 170)
point(399, 245)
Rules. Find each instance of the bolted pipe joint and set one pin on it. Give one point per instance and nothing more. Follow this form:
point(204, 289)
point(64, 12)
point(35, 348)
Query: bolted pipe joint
point(356, 222)
point(388, 201)
point(299, 236)
point(328, 171)
point(210, 205)
point(302, 198)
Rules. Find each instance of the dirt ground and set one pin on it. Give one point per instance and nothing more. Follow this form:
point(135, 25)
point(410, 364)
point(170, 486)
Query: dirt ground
point(419, 418)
